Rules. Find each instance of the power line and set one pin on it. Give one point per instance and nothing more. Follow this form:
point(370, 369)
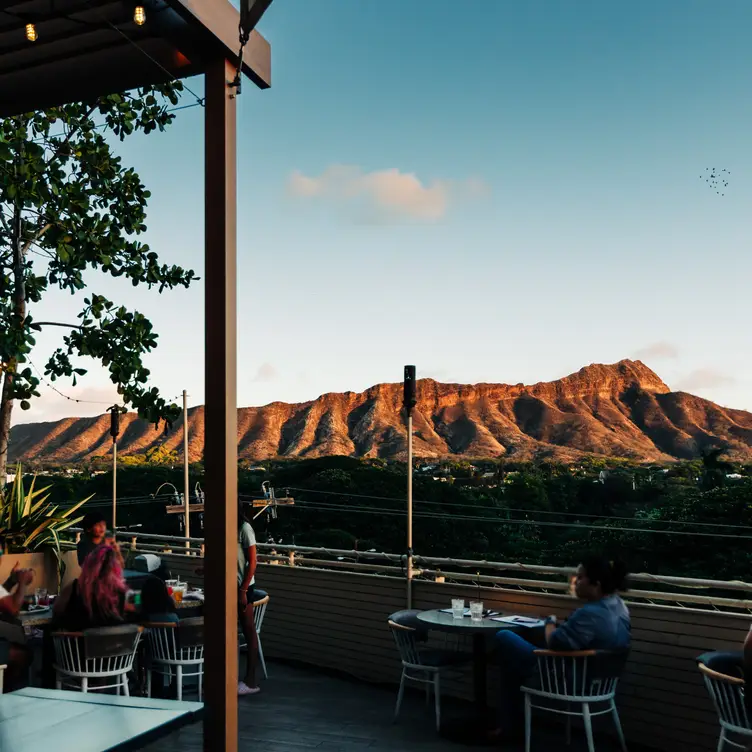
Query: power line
point(55, 389)
point(499, 521)
point(524, 511)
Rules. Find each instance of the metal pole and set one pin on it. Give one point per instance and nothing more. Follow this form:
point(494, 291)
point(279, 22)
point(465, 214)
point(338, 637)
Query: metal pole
point(410, 510)
point(221, 418)
point(114, 485)
point(186, 486)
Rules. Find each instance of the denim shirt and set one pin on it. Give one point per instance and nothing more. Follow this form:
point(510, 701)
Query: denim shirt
point(599, 625)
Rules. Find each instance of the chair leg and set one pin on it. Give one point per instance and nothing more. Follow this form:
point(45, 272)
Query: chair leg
point(528, 723)
point(126, 690)
point(84, 684)
point(400, 695)
point(588, 727)
point(261, 657)
point(148, 683)
point(428, 693)
point(619, 729)
point(58, 681)
point(722, 740)
point(437, 699)
point(180, 682)
point(201, 683)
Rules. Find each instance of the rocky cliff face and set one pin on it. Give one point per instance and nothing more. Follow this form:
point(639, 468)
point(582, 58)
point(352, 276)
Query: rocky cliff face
point(621, 410)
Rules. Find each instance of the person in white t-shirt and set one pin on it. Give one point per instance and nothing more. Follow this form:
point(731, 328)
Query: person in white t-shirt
point(246, 581)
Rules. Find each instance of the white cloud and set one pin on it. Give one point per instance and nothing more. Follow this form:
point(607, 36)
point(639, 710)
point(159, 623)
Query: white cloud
point(386, 194)
point(658, 350)
point(266, 373)
point(51, 406)
point(705, 378)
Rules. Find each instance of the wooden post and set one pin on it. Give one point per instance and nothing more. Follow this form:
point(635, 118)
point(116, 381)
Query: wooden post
point(221, 439)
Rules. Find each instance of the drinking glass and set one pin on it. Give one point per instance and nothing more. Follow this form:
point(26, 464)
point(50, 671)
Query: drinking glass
point(458, 607)
point(41, 597)
point(476, 610)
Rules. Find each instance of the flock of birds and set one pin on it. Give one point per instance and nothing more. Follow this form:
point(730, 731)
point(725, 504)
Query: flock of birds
point(716, 179)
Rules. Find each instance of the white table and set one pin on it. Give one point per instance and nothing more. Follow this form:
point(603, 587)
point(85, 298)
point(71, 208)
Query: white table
point(40, 720)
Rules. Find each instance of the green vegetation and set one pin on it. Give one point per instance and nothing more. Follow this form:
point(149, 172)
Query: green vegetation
point(69, 206)
point(686, 519)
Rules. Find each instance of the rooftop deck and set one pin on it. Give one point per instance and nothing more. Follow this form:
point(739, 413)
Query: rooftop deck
point(301, 709)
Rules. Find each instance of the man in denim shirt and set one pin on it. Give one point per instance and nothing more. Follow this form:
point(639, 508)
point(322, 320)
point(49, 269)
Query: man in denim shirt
point(601, 624)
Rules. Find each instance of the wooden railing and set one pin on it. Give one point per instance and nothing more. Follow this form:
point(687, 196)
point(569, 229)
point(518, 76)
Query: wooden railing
point(329, 609)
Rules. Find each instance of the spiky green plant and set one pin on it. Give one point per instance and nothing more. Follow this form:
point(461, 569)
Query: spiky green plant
point(28, 521)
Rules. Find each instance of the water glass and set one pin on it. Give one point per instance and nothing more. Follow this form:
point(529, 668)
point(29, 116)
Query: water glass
point(476, 610)
point(458, 608)
point(41, 597)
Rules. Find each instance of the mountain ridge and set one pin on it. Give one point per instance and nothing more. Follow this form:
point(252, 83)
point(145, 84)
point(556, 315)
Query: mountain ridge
point(623, 409)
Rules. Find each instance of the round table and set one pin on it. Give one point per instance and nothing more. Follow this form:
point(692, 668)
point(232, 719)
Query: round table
point(441, 622)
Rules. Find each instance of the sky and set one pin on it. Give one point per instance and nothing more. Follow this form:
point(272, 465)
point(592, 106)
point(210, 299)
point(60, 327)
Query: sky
point(504, 194)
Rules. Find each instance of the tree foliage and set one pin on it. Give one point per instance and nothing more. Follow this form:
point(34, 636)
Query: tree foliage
point(68, 205)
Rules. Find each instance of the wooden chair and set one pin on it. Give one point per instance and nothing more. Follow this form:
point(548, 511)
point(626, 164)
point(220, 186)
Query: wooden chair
point(421, 665)
point(259, 611)
point(583, 678)
point(176, 649)
point(87, 660)
point(727, 694)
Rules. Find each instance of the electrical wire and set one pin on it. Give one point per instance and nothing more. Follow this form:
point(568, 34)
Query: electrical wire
point(524, 511)
point(55, 389)
point(319, 506)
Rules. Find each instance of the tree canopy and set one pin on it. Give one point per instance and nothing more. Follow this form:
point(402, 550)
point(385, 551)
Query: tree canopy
point(68, 204)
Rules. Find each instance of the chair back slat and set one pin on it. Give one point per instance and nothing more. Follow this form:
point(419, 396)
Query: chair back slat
point(585, 676)
point(190, 633)
point(727, 694)
point(406, 644)
point(106, 642)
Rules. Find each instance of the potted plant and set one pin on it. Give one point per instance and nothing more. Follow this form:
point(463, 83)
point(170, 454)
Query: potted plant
point(30, 524)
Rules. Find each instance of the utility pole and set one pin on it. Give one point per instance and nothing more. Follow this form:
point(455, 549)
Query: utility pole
point(114, 412)
point(409, 404)
point(186, 487)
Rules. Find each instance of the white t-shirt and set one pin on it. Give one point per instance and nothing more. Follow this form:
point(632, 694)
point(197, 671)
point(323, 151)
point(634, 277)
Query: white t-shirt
point(3, 592)
point(246, 539)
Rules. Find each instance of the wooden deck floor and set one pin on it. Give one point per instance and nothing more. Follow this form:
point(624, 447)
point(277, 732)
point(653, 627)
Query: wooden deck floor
point(300, 710)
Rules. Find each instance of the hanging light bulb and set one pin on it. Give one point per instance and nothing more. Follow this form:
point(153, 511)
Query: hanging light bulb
point(139, 15)
point(31, 32)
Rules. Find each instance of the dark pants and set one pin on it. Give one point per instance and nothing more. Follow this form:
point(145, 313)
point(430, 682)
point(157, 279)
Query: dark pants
point(517, 659)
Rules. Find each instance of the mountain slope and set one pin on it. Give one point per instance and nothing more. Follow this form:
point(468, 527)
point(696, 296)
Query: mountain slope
point(620, 410)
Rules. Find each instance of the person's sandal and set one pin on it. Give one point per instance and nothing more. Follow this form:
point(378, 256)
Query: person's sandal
point(244, 690)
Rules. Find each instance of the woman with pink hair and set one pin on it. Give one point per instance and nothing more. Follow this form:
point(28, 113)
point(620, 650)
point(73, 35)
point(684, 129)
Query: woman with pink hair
point(97, 597)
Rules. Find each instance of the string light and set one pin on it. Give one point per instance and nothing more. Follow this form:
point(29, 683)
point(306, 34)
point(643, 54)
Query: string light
point(139, 15)
point(31, 32)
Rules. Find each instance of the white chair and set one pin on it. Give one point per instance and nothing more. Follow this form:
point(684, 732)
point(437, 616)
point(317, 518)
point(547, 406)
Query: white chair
point(421, 665)
point(259, 611)
point(2, 677)
point(176, 649)
point(583, 678)
point(86, 660)
point(727, 693)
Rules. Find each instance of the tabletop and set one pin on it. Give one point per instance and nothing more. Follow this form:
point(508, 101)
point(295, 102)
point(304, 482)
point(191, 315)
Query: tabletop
point(444, 622)
point(42, 617)
point(85, 722)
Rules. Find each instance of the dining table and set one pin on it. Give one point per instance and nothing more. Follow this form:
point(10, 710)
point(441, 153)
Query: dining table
point(442, 620)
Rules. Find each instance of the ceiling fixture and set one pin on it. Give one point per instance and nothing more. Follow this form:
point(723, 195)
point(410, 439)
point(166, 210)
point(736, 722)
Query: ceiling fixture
point(139, 15)
point(31, 32)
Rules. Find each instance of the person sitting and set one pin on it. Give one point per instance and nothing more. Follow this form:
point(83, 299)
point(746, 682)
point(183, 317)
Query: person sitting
point(247, 560)
point(97, 597)
point(602, 623)
point(95, 530)
point(13, 651)
point(157, 605)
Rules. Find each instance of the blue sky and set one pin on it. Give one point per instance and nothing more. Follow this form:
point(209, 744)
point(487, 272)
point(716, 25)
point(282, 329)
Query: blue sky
point(503, 195)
